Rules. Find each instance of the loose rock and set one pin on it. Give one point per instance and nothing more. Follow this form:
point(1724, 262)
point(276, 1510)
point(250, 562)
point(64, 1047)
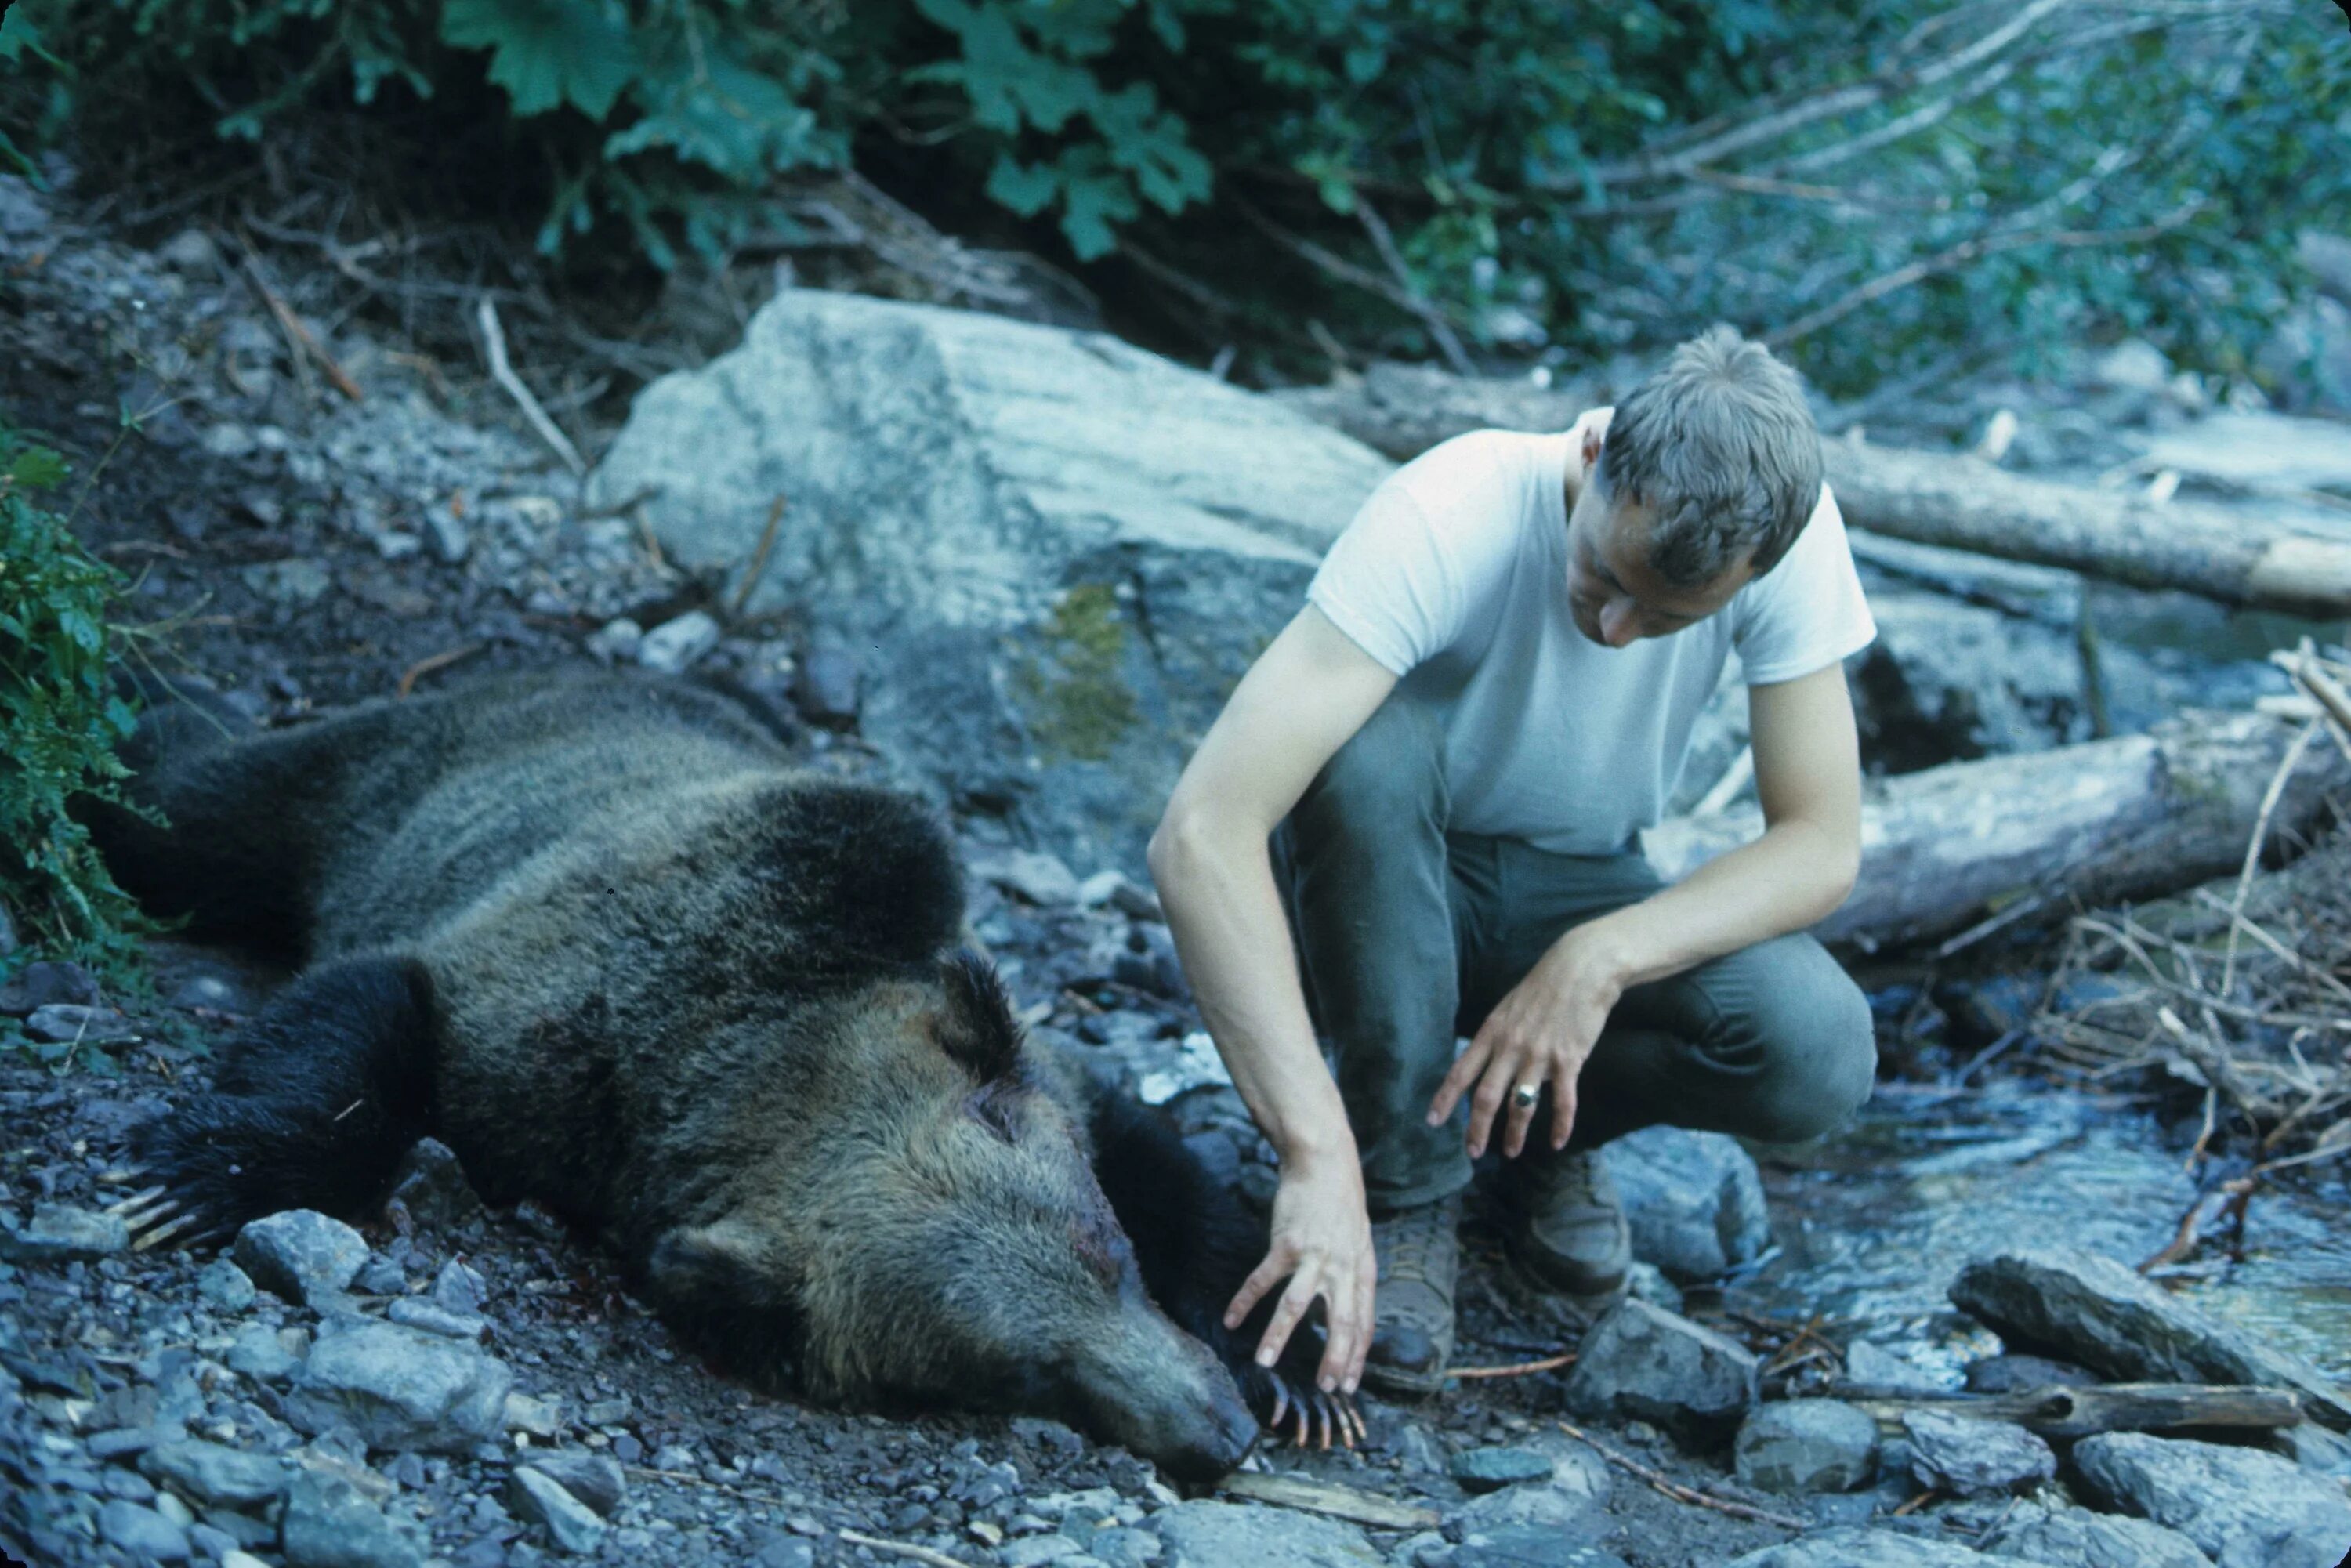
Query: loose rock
point(57, 1234)
point(64, 1022)
point(226, 1286)
point(1807, 1445)
point(300, 1254)
point(1694, 1200)
point(1221, 1534)
point(539, 1497)
point(592, 1478)
point(400, 1389)
point(1489, 1470)
point(2095, 1311)
point(1853, 1547)
point(2079, 1539)
point(1969, 1457)
point(1040, 878)
point(2243, 1507)
point(677, 646)
point(330, 1525)
point(1642, 1362)
point(1874, 1366)
point(211, 1473)
point(142, 1531)
point(48, 983)
point(410, 1312)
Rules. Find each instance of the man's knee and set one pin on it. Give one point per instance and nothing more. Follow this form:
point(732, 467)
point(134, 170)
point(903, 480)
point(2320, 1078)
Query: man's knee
point(1819, 1049)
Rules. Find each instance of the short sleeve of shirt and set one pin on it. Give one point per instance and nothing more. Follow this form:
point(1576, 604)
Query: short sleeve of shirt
point(1808, 613)
point(1391, 582)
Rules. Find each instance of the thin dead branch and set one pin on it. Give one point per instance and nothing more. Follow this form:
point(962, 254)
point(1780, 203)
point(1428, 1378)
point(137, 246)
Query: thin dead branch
point(1675, 1490)
point(502, 371)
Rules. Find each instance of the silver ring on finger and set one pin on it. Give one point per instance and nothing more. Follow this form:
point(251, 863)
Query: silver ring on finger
point(1525, 1096)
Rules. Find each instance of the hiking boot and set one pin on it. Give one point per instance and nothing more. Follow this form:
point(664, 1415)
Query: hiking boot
point(1419, 1253)
point(1566, 1226)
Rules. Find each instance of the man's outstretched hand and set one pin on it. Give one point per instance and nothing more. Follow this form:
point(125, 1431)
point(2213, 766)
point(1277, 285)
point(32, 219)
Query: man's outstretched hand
point(1322, 1245)
point(1540, 1035)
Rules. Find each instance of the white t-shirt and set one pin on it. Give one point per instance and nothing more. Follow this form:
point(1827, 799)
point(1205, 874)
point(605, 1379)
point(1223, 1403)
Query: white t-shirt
point(1453, 577)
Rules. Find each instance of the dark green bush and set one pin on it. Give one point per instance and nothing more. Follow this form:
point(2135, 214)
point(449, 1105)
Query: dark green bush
point(1515, 173)
point(60, 721)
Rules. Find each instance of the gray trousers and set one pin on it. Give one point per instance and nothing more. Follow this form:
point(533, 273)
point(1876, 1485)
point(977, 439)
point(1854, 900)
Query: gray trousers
point(1409, 934)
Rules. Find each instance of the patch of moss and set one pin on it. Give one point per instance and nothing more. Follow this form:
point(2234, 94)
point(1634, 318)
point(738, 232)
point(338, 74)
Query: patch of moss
point(1080, 704)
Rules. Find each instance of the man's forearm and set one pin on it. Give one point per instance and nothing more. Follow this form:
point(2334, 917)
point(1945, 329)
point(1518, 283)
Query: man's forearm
point(1227, 919)
point(1794, 876)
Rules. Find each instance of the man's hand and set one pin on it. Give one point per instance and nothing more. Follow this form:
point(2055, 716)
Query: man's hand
point(1540, 1035)
point(1322, 1245)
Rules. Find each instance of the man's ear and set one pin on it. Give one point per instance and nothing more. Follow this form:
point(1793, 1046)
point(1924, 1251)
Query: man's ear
point(1594, 434)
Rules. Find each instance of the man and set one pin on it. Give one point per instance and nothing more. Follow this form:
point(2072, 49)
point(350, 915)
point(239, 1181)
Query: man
point(1450, 752)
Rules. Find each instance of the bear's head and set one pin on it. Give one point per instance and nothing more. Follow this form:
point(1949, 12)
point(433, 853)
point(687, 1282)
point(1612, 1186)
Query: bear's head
point(931, 1227)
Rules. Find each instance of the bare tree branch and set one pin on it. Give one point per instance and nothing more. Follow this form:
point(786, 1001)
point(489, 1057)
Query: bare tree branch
point(1439, 328)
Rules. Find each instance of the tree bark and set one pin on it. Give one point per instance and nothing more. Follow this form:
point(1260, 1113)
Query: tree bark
point(2127, 817)
point(1960, 503)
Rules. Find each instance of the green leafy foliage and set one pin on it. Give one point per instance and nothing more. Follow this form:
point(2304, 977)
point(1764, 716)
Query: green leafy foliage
point(1538, 178)
point(60, 721)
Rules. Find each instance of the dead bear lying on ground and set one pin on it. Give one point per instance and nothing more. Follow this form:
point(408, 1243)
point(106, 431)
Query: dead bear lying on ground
point(601, 938)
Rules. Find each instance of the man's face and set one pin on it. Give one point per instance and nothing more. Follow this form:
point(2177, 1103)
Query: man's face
point(1615, 595)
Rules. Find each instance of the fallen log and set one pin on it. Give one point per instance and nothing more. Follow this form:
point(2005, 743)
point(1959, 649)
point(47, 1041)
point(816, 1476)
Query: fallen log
point(1960, 503)
point(1326, 1498)
point(2059, 1412)
point(2111, 819)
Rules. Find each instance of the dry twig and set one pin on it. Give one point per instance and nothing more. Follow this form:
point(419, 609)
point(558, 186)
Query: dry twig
point(1522, 1369)
point(502, 371)
point(1675, 1490)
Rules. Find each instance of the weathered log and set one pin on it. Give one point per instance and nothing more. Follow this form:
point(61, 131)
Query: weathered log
point(2128, 818)
point(1962, 503)
point(1327, 1498)
point(2059, 1412)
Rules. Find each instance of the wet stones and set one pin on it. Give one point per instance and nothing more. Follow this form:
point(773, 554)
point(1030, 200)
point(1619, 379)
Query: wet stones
point(301, 1255)
point(399, 1389)
point(59, 1234)
point(1807, 1445)
point(1643, 1362)
point(2093, 1310)
point(1219, 1535)
point(2242, 1507)
point(1694, 1201)
point(1970, 1457)
point(224, 1287)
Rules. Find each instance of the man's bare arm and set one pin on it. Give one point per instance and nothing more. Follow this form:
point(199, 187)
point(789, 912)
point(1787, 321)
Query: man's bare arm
point(1808, 778)
point(1310, 690)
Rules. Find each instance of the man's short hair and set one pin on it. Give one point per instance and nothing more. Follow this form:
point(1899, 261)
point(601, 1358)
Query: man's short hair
point(1719, 444)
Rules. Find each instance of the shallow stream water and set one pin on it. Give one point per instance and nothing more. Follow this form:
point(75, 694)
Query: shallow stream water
point(1873, 1224)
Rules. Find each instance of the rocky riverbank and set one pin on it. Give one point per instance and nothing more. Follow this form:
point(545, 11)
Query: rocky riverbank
point(453, 1384)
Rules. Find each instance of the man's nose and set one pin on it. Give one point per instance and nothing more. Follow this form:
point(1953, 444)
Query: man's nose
point(1620, 622)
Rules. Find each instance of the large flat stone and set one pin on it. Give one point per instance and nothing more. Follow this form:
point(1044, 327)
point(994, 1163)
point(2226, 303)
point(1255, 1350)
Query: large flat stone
point(2095, 1311)
point(1853, 1547)
point(1223, 1534)
point(948, 478)
point(2079, 1539)
point(1970, 1457)
point(399, 1389)
point(2241, 1507)
point(1641, 1361)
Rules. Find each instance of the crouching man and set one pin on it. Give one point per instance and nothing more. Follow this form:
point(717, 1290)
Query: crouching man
point(1417, 818)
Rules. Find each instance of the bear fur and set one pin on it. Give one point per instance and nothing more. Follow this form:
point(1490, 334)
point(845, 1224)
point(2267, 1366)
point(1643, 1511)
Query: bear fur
point(600, 936)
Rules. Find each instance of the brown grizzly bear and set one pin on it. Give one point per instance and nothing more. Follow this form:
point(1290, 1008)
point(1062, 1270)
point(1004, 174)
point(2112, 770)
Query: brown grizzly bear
point(599, 935)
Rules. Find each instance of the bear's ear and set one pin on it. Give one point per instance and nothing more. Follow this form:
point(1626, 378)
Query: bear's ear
point(724, 1264)
point(979, 1030)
